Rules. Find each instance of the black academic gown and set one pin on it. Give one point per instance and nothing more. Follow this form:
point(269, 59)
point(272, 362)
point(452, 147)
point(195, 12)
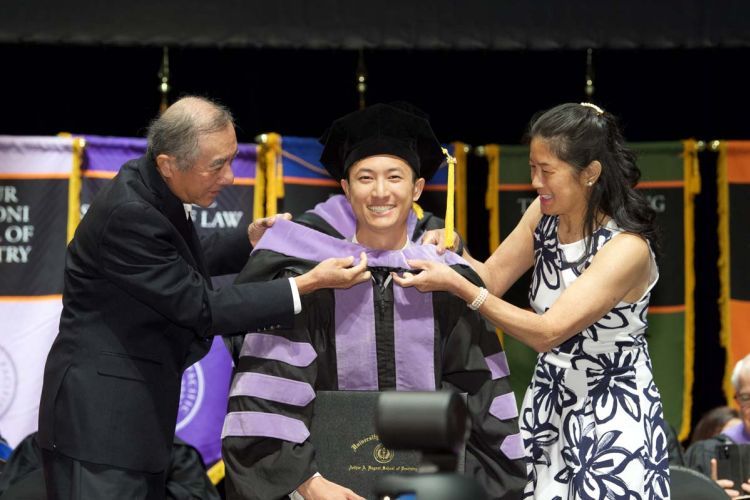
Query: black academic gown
point(261, 467)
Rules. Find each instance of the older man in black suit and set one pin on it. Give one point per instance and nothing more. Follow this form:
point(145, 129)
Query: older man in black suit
point(138, 308)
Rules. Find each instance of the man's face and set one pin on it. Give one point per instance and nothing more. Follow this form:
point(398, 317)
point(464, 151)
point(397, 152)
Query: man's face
point(209, 174)
point(743, 397)
point(381, 190)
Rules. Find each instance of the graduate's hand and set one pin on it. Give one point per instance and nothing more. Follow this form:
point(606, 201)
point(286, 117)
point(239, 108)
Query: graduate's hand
point(433, 276)
point(256, 229)
point(334, 273)
point(320, 488)
point(437, 237)
point(727, 484)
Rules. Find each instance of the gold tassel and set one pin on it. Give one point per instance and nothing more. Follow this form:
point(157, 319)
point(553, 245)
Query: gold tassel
point(269, 179)
point(449, 236)
point(273, 162)
point(260, 180)
point(491, 203)
point(279, 167)
point(217, 472)
point(418, 211)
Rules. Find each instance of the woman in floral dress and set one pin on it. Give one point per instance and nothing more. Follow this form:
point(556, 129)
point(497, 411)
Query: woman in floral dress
point(592, 418)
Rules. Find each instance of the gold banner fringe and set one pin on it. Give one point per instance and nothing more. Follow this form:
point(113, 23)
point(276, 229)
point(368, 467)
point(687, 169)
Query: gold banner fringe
point(692, 177)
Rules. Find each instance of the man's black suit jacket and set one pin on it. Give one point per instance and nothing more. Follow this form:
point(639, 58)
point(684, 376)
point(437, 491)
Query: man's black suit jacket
point(138, 308)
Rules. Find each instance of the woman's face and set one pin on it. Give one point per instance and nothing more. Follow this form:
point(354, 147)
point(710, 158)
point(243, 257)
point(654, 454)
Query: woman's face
point(561, 188)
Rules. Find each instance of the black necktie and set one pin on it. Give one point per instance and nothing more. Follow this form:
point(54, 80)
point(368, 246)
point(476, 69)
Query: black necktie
point(380, 275)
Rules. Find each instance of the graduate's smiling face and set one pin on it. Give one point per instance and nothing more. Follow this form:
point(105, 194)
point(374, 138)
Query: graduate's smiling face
point(381, 190)
point(211, 171)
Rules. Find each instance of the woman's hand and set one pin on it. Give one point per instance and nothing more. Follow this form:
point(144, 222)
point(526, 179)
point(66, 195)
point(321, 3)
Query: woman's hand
point(437, 237)
point(432, 277)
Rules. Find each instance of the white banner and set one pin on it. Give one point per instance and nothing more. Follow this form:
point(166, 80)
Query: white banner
point(34, 180)
point(36, 156)
point(28, 329)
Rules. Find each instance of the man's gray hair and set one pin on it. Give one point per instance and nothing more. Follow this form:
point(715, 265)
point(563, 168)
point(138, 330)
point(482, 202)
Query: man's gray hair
point(741, 365)
point(177, 130)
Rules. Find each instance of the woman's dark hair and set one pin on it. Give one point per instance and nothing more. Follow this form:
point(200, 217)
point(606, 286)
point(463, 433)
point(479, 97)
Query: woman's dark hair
point(578, 134)
point(713, 422)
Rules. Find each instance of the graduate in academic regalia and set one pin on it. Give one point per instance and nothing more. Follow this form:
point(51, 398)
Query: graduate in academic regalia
point(373, 336)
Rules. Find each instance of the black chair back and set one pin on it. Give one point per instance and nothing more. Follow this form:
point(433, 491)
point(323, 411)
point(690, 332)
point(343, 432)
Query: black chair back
point(688, 484)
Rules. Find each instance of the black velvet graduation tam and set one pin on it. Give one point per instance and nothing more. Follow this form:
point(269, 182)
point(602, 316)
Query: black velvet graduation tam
point(397, 129)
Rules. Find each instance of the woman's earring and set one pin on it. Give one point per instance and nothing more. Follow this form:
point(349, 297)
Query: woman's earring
point(590, 183)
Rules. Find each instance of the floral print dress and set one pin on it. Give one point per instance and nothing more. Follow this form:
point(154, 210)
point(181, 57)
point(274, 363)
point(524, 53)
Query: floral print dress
point(592, 417)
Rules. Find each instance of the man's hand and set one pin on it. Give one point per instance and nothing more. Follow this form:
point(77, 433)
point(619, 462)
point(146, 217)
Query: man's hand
point(437, 237)
point(319, 488)
point(434, 276)
point(727, 484)
point(334, 273)
point(256, 229)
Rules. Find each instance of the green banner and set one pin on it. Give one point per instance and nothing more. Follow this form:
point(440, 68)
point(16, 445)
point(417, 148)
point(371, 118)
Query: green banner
point(669, 181)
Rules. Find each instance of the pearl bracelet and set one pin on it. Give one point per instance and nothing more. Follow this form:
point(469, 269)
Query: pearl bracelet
point(479, 300)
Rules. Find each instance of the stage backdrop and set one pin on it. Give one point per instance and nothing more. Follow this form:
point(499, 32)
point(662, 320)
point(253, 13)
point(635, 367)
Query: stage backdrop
point(296, 181)
point(670, 179)
point(46, 185)
point(734, 246)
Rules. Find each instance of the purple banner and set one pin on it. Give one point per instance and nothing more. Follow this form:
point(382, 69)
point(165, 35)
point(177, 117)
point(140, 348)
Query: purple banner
point(107, 154)
point(203, 401)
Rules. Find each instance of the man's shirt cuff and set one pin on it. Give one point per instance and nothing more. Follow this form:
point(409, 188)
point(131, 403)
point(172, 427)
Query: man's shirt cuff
point(295, 296)
point(295, 495)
